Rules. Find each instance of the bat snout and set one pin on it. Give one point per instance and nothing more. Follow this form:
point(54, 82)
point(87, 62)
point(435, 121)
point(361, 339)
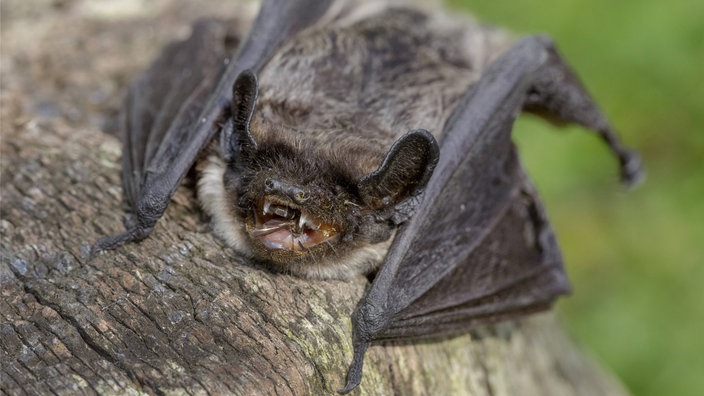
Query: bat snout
point(276, 187)
point(279, 225)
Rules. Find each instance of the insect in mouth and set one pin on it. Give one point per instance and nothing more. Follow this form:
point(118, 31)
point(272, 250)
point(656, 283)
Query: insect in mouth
point(311, 158)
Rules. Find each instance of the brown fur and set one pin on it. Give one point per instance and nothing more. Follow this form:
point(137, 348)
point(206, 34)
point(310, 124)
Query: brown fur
point(354, 88)
point(331, 103)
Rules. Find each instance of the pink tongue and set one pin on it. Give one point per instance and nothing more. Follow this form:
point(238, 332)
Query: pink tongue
point(281, 239)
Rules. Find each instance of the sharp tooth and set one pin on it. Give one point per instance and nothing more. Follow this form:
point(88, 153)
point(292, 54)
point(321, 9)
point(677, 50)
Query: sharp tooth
point(309, 222)
point(281, 211)
point(267, 205)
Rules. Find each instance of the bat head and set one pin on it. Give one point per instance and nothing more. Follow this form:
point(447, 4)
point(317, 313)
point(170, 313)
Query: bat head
point(303, 210)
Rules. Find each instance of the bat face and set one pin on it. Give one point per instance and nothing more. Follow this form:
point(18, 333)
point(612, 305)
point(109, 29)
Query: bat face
point(289, 202)
point(293, 216)
point(297, 207)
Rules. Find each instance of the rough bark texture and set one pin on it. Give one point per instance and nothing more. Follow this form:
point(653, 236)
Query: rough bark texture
point(179, 313)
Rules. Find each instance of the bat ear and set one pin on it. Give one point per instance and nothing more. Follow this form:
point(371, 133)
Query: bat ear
point(236, 136)
point(394, 188)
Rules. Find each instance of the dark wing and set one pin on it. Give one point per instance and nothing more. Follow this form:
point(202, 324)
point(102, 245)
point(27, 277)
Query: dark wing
point(479, 248)
point(172, 112)
point(175, 87)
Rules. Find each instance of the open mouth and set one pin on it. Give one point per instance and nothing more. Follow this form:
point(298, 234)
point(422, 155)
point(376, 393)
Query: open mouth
point(280, 225)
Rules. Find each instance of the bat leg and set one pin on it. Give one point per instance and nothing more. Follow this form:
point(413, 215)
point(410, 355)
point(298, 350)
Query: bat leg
point(558, 94)
point(115, 241)
point(354, 372)
point(139, 225)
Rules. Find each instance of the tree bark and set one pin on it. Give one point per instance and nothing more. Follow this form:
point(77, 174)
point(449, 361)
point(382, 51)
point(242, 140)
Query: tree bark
point(180, 313)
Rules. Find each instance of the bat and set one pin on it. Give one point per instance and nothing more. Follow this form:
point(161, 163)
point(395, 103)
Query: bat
point(359, 138)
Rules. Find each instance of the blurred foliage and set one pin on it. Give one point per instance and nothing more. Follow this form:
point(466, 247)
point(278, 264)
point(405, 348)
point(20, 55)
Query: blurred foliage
point(636, 258)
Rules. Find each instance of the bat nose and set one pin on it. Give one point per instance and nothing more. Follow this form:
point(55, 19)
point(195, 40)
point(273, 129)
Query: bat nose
point(295, 193)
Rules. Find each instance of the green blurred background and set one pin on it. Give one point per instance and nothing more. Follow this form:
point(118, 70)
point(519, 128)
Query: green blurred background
point(635, 257)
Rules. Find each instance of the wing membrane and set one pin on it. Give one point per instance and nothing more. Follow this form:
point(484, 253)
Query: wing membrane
point(462, 259)
point(175, 84)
